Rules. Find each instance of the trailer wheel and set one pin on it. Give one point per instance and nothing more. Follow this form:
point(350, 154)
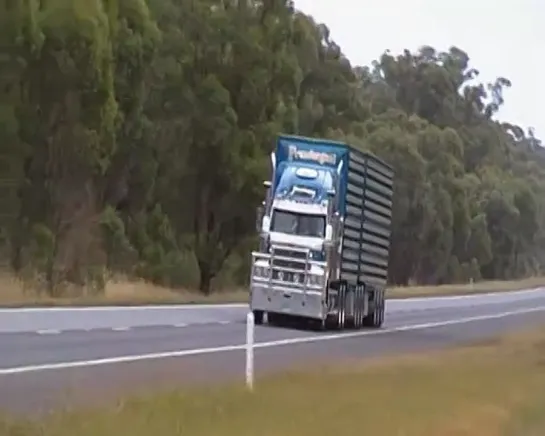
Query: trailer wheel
point(258, 317)
point(340, 319)
point(341, 309)
point(380, 311)
point(375, 319)
point(382, 306)
point(358, 312)
point(352, 320)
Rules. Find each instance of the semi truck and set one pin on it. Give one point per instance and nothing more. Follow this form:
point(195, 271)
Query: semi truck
point(324, 236)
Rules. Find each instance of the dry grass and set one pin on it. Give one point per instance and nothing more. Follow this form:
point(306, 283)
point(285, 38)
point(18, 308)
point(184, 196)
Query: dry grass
point(125, 292)
point(13, 293)
point(467, 289)
point(489, 389)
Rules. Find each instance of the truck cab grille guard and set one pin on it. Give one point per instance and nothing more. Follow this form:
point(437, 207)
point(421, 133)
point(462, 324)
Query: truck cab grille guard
point(287, 268)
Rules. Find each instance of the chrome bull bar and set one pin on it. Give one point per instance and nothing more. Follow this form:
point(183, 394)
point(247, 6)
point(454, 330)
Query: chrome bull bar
point(289, 273)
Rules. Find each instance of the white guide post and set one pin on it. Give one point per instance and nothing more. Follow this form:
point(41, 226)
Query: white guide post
point(250, 324)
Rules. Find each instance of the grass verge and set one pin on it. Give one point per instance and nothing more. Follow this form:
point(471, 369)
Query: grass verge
point(489, 389)
point(123, 292)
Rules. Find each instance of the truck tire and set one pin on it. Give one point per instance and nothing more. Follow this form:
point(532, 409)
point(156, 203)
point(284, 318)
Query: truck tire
point(258, 317)
point(318, 325)
point(375, 319)
point(272, 318)
point(382, 310)
point(341, 310)
point(352, 320)
point(360, 303)
point(341, 319)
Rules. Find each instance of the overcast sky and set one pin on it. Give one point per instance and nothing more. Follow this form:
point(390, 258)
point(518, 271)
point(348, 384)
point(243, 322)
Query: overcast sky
point(503, 38)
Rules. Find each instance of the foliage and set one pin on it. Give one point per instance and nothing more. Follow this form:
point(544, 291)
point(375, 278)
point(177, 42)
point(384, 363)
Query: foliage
point(134, 137)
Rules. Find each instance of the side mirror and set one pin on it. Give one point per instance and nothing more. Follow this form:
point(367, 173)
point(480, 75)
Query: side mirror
point(266, 225)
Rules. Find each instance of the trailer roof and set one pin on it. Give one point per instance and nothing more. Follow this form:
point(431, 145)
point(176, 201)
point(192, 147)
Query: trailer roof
point(343, 144)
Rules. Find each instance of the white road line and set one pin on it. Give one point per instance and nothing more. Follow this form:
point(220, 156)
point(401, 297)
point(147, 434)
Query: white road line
point(180, 325)
point(120, 329)
point(48, 332)
point(531, 291)
point(270, 344)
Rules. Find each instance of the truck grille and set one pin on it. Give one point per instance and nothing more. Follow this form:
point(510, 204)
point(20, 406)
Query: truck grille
point(287, 276)
point(286, 252)
point(298, 264)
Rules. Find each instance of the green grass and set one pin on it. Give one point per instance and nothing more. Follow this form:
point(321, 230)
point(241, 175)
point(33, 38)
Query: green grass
point(495, 388)
point(137, 292)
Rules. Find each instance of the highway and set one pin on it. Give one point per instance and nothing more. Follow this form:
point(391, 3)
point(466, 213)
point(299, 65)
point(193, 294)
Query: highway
point(59, 356)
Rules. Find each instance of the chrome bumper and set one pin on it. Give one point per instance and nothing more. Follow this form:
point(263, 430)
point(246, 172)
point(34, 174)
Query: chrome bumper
point(291, 289)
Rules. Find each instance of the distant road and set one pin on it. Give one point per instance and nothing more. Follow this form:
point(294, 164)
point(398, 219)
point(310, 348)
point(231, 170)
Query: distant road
point(64, 319)
point(91, 353)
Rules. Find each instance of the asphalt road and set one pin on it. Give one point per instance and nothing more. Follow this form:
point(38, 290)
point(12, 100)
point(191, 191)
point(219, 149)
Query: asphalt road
point(56, 357)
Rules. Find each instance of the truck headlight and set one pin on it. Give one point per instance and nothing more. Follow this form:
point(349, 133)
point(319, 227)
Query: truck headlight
point(315, 280)
point(318, 255)
point(262, 271)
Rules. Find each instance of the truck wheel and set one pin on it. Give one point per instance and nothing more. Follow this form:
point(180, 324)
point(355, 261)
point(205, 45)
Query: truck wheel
point(339, 321)
point(318, 325)
point(277, 319)
point(258, 317)
point(341, 314)
point(352, 320)
point(272, 318)
point(358, 313)
point(380, 314)
point(363, 305)
point(376, 318)
point(342, 318)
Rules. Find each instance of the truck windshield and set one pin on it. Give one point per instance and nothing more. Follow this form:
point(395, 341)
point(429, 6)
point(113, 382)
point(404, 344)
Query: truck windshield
point(298, 224)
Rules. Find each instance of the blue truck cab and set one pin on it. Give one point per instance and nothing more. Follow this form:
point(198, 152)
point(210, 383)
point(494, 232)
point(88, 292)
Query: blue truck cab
point(324, 235)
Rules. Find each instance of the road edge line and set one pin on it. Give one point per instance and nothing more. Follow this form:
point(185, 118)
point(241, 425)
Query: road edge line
point(257, 345)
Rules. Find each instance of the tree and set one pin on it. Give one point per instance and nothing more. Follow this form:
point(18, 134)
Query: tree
point(134, 137)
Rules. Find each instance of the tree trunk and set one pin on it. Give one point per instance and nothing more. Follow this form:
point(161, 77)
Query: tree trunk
point(205, 281)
